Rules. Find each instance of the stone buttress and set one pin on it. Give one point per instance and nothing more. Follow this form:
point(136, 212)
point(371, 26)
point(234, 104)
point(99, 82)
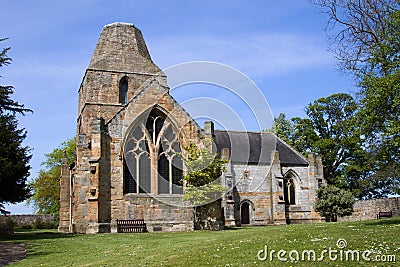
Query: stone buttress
point(130, 133)
point(120, 84)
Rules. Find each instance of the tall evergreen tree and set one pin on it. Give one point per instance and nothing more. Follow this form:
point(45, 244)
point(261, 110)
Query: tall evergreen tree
point(14, 157)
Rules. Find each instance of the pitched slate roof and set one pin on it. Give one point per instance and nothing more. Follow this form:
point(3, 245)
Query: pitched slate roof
point(256, 148)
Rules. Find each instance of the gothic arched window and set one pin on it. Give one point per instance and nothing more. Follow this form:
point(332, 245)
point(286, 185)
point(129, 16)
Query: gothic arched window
point(123, 91)
point(289, 191)
point(151, 163)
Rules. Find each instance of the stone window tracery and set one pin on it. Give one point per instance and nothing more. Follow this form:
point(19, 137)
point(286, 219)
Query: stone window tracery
point(151, 163)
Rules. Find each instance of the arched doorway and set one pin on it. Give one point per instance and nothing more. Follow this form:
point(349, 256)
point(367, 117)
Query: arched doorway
point(245, 213)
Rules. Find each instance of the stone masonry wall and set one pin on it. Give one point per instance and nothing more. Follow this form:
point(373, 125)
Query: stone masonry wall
point(164, 213)
point(120, 54)
point(27, 220)
point(368, 209)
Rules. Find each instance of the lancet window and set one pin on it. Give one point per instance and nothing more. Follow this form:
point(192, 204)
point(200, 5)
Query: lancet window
point(289, 191)
point(123, 91)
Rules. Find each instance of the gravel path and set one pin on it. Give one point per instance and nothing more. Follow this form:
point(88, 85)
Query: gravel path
point(11, 252)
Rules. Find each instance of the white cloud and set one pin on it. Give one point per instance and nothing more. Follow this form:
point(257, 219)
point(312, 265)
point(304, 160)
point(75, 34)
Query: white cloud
point(256, 54)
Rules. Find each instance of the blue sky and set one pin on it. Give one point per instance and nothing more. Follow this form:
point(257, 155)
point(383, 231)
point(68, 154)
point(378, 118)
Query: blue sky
point(280, 45)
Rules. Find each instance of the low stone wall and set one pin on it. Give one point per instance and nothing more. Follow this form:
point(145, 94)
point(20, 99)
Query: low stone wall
point(28, 221)
point(368, 209)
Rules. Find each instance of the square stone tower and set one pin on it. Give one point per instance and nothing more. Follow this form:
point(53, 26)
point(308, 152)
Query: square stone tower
point(121, 96)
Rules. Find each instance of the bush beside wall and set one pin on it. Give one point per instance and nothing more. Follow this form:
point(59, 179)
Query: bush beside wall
point(31, 221)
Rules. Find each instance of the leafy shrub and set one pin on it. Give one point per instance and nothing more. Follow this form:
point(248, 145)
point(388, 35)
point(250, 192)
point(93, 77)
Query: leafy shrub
point(333, 201)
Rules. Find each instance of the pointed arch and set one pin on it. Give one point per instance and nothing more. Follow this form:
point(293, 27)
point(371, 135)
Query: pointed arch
point(291, 181)
point(246, 211)
point(293, 174)
point(153, 141)
point(123, 90)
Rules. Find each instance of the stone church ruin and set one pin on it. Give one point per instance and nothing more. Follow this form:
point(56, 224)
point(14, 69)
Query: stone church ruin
point(130, 132)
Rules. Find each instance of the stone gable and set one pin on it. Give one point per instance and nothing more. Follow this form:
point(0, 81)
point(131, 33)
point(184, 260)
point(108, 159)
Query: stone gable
point(124, 106)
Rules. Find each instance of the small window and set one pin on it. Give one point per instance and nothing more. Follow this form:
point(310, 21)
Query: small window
point(289, 192)
point(123, 91)
point(81, 139)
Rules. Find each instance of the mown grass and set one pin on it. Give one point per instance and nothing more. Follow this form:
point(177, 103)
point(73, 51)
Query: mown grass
point(236, 247)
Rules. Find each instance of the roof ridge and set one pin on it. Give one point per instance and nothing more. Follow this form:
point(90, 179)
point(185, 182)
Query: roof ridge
point(238, 131)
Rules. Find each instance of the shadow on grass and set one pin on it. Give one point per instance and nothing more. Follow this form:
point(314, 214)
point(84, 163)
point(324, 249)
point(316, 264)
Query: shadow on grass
point(35, 235)
point(389, 221)
point(232, 228)
point(26, 238)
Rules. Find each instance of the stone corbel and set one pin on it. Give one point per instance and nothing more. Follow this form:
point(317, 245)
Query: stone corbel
point(93, 194)
point(94, 160)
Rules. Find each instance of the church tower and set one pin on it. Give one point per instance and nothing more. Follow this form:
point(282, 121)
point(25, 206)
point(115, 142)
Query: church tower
point(121, 96)
point(130, 135)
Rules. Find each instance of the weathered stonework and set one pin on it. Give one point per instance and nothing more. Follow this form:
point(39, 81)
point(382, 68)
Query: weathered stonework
point(265, 194)
point(123, 98)
point(65, 200)
point(368, 209)
point(27, 220)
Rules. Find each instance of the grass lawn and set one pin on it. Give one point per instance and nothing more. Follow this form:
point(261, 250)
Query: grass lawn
point(236, 247)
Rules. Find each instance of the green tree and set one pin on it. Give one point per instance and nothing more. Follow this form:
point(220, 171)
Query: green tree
point(296, 132)
point(332, 132)
point(202, 186)
point(46, 187)
point(203, 168)
point(380, 107)
point(283, 128)
point(333, 201)
point(14, 157)
point(358, 170)
point(365, 35)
